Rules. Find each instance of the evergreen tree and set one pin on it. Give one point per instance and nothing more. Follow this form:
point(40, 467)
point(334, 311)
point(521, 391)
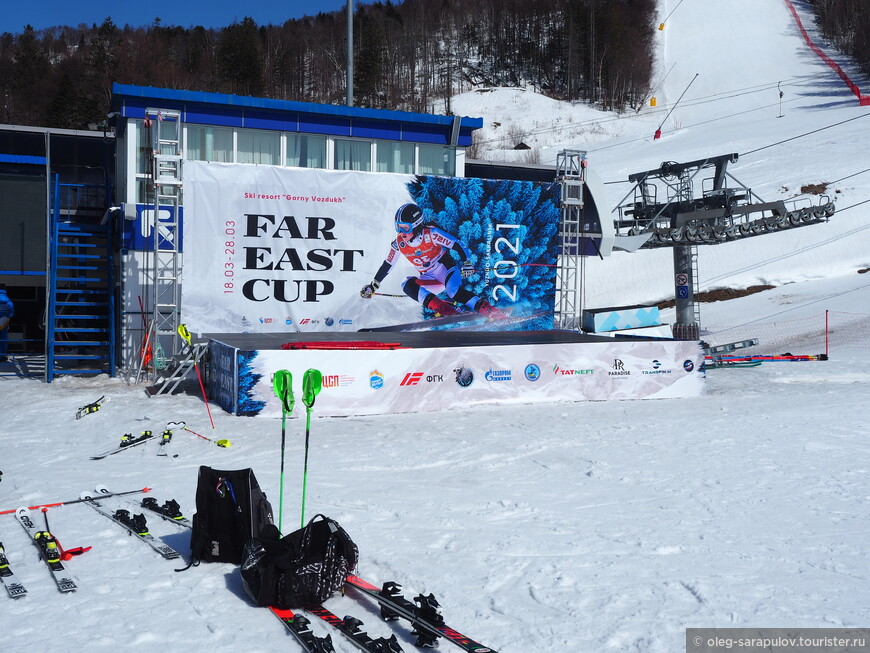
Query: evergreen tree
point(240, 58)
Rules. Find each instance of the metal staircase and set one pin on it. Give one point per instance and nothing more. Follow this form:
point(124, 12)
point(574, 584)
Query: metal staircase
point(80, 320)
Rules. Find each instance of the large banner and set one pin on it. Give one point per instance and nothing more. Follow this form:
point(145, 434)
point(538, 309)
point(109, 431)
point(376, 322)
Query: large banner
point(366, 382)
point(271, 249)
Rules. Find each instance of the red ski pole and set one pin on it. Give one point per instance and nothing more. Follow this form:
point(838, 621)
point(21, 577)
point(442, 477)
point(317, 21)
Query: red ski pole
point(185, 335)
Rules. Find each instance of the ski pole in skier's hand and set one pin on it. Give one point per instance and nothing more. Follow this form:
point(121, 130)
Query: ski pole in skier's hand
point(312, 382)
point(282, 384)
point(368, 290)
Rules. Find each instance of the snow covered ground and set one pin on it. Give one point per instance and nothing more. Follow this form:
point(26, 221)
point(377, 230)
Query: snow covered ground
point(608, 526)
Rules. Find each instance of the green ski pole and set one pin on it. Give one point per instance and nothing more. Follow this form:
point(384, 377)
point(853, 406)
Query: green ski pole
point(312, 382)
point(282, 384)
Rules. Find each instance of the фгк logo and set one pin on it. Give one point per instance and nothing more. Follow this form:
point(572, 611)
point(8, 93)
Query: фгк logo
point(412, 378)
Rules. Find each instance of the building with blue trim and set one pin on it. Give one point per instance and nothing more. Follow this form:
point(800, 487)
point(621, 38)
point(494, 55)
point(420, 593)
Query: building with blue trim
point(87, 202)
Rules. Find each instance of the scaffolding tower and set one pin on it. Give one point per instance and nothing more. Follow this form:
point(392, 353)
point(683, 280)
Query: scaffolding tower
point(163, 279)
point(570, 174)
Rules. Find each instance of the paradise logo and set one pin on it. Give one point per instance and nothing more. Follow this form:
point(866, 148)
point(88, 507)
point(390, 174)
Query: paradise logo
point(618, 368)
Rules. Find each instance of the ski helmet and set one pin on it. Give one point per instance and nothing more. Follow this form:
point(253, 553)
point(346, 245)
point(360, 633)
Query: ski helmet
point(409, 218)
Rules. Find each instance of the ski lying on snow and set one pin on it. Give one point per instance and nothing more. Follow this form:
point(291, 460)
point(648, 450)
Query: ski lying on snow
point(170, 510)
point(300, 627)
point(127, 442)
point(13, 587)
point(92, 407)
point(166, 551)
point(351, 628)
point(48, 550)
point(427, 622)
point(166, 437)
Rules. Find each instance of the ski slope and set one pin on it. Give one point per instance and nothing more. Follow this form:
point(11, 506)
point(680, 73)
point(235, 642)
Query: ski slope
point(608, 526)
point(743, 52)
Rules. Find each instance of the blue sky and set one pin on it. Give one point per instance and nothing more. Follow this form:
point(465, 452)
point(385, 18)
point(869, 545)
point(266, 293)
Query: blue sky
point(185, 13)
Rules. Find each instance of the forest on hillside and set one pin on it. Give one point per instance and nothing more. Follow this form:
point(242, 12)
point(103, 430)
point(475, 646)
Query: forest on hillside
point(846, 25)
point(408, 55)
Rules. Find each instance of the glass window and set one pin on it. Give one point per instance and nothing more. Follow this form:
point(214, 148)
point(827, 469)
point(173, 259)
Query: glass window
point(258, 146)
point(306, 151)
point(393, 156)
point(143, 149)
point(353, 155)
point(436, 160)
point(206, 143)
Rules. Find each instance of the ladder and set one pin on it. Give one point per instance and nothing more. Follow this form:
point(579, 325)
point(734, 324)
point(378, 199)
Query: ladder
point(181, 366)
point(570, 167)
point(80, 320)
point(163, 127)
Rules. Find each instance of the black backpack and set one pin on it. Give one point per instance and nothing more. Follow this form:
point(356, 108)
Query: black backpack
point(303, 568)
point(230, 510)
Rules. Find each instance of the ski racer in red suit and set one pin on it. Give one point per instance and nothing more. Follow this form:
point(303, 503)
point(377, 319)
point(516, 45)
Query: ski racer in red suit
point(429, 250)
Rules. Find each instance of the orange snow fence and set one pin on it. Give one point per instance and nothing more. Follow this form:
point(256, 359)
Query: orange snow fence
point(863, 100)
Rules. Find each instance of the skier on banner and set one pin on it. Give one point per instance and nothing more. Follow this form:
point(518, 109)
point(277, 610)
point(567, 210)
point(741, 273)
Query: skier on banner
point(428, 249)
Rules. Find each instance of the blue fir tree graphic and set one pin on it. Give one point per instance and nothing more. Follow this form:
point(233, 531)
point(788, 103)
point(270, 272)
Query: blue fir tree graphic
point(511, 228)
point(248, 406)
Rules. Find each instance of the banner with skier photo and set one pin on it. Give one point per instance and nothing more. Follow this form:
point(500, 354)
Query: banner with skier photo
point(270, 249)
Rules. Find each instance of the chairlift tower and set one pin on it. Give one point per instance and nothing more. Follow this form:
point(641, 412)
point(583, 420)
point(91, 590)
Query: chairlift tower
point(721, 212)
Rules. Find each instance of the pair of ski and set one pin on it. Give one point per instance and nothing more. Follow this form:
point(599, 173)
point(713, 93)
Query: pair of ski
point(427, 623)
point(425, 618)
point(135, 524)
point(128, 441)
point(49, 551)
